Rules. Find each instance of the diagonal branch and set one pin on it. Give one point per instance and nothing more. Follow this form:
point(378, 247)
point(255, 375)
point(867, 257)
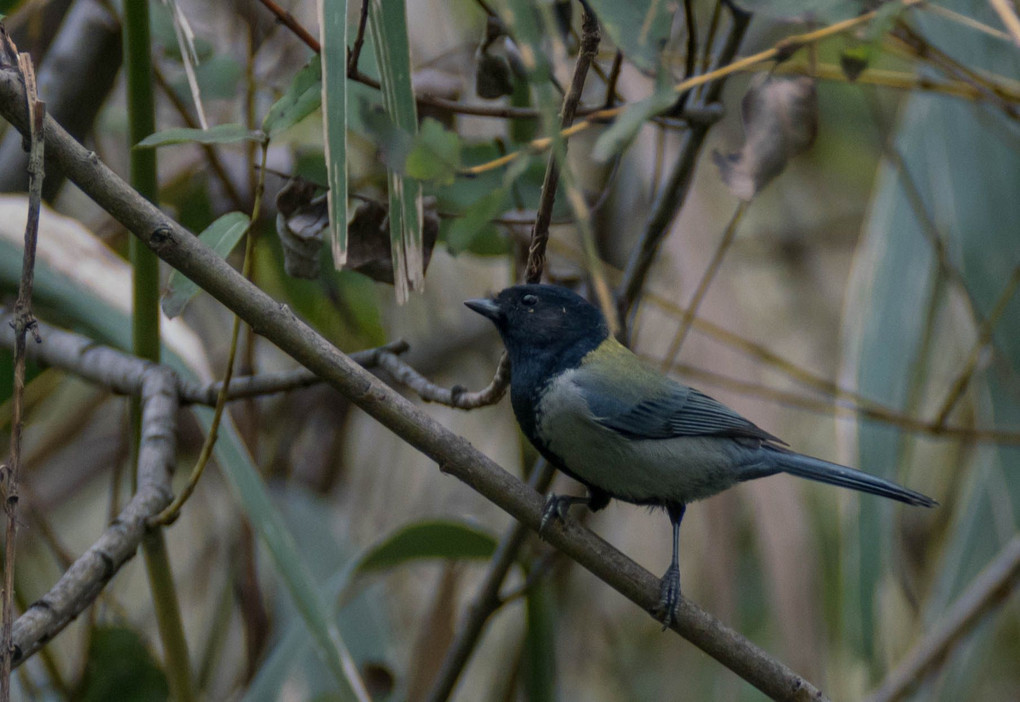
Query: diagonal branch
point(454, 454)
point(989, 589)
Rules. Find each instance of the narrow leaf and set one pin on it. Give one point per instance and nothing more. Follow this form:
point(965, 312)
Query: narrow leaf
point(388, 24)
point(221, 236)
point(622, 132)
point(435, 155)
point(220, 134)
point(302, 98)
point(333, 62)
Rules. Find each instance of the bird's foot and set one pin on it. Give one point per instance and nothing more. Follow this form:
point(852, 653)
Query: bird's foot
point(556, 507)
point(669, 597)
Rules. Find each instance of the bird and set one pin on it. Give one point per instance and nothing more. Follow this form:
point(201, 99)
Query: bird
point(625, 431)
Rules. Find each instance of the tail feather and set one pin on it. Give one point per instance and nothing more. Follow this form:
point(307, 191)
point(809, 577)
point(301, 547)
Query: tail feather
point(834, 474)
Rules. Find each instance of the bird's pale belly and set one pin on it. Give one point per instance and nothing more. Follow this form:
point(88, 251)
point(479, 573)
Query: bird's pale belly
point(680, 469)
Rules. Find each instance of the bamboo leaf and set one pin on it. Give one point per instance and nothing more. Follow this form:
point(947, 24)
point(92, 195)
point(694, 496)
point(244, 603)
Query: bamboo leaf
point(388, 25)
point(220, 134)
point(221, 236)
point(333, 61)
point(303, 97)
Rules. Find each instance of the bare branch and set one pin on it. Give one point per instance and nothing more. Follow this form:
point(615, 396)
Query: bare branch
point(88, 575)
point(988, 590)
point(22, 323)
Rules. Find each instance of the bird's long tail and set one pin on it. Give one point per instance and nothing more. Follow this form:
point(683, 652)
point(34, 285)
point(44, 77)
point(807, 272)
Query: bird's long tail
point(834, 474)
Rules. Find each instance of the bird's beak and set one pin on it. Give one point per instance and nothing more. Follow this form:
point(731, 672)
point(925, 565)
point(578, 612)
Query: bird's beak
point(486, 308)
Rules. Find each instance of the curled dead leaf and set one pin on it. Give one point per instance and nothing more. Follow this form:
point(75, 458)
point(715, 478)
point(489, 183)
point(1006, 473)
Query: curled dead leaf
point(302, 217)
point(780, 117)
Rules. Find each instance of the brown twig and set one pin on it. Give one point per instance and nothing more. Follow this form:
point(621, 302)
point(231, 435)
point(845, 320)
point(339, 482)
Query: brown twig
point(359, 41)
point(590, 38)
point(904, 36)
point(487, 599)
point(988, 590)
point(674, 194)
point(79, 586)
point(23, 323)
point(859, 408)
point(288, 21)
point(706, 280)
point(984, 338)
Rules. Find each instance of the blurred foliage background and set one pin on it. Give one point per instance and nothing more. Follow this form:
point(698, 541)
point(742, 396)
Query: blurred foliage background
point(866, 312)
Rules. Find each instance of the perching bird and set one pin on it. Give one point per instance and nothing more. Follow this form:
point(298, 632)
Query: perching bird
point(625, 431)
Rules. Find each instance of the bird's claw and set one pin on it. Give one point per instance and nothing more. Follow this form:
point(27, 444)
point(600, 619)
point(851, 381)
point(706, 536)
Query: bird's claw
point(555, 508)
point(669, 597)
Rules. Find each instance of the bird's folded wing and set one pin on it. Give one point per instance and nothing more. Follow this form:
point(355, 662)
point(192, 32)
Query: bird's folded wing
point(684, 412)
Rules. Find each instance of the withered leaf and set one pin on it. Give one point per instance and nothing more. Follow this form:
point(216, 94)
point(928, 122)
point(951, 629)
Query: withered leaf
point(780, 117)
point(302, 217)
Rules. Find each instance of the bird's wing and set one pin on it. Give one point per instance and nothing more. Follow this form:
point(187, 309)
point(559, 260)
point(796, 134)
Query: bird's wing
point(676, 412)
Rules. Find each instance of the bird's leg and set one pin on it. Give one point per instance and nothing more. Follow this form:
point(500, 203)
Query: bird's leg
point(669, 595)
point(556, 507)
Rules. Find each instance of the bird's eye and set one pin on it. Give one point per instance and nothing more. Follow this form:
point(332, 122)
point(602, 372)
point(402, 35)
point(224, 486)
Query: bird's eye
point(529, 300)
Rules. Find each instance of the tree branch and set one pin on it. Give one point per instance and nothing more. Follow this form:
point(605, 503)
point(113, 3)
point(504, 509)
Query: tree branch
point(990, 588)
point(454, 454)
point(88, 575)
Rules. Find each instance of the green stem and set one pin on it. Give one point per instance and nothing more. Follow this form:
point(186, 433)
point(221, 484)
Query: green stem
point(145, 326)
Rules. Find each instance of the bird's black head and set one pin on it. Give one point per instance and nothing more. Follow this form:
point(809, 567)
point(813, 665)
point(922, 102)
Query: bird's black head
point(544, 324)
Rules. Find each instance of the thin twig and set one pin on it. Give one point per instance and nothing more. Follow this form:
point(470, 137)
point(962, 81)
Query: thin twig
point(454, 454)
point(23, 323)
point(359, 41)
point(169, 515)
point(706, 280)
point(726, 67)
point(988, 590)
point(984, 339)
point(590, 38)
point(674, 194)
point(487, 599)
point(282, 381)
point(866, 410)
point(288, 21)
point(905, 36)
point(614, 77)
point(897, 80)
point(85, 579)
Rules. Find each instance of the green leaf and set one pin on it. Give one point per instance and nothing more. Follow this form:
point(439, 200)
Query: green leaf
point(464, 231)
point(333, 64)
point(435, 155)
point(388, 25)
point(119, 666)
point(428, 539)
point(639, 28)
point(303, 97)
point(221, 236)
point(622, 132)
point(220, 134)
